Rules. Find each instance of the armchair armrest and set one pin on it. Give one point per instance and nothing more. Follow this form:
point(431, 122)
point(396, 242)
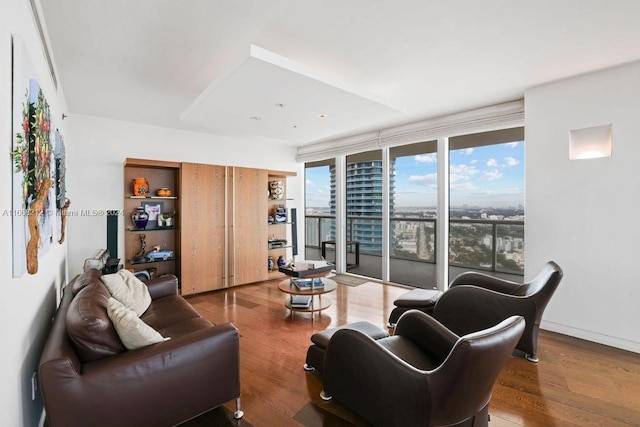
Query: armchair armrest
point(486, 281)
point(162, 286)
point(427, 333)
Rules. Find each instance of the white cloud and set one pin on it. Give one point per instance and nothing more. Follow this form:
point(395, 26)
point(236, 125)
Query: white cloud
point(474, 161)
point(468, 151)
point(464, 186)
point(463, 169)
point(513, 144)
point(426, 180)
point(492, 163)
point(492, 175)
point(426, 158)
point(511, 161)
point(310, 183)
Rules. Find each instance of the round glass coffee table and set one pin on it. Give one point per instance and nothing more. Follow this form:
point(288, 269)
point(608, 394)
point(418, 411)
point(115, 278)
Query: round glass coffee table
point(317, 303)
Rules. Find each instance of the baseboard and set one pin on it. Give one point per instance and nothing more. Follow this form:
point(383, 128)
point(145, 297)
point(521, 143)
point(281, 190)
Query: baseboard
point(616, 342)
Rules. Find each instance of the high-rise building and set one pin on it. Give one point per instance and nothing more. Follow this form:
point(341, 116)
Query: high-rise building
point(364, 203)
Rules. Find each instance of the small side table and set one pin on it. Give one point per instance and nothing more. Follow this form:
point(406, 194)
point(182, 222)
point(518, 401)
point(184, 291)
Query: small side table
point(316, 294)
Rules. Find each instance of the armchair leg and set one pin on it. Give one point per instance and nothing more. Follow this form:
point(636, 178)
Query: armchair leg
point(239, 413)
point(532, 358)
point(308, 368)
point(324, 396)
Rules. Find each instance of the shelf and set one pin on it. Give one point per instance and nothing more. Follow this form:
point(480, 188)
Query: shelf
point(151, 261)
point(280, 223)
point(153, 197)
point(280, 247)
point(151, 229)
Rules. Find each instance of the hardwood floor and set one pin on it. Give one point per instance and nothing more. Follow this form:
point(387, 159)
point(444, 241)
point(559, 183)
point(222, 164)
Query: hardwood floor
point(576, 383)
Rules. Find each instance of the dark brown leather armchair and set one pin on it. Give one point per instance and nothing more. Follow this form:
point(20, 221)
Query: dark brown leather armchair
point(476, 301)
point(424, 375)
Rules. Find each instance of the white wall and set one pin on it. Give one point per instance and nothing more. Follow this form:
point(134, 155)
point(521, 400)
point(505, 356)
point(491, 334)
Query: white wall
point(27, 303)
point(95, 182)
point(584, 213)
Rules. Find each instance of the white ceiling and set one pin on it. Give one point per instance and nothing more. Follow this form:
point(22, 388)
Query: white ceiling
point(212, 65)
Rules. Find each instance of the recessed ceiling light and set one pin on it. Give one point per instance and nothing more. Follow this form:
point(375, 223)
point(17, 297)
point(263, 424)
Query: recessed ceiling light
point(295, 126)
point(279, 105)
point(256, 118)
point(322, 116)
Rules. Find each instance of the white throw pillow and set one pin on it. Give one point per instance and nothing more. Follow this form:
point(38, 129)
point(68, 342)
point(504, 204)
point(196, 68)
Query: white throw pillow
point(133, 332)
point(129, 290)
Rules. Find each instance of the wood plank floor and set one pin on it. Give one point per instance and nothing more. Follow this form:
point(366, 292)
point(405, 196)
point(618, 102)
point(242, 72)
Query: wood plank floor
point(576, 383)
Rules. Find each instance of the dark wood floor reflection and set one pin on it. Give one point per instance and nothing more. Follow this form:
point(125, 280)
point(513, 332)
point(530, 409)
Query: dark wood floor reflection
point(576, 383)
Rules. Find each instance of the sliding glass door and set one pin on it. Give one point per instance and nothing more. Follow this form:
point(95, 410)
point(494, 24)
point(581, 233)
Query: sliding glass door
point(320, 209)
point(412, 214)
point(364, 199)
point(486, 197)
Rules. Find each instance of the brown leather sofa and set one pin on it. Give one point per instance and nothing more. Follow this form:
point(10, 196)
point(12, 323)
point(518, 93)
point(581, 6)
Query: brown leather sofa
point(88, 378)
point(423, 375)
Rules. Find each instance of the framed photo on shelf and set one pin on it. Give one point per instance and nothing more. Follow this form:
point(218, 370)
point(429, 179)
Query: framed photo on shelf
point(153, 209)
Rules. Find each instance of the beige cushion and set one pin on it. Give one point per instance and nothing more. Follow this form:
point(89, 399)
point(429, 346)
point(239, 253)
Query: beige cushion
point(133, 332)
point(129, 290)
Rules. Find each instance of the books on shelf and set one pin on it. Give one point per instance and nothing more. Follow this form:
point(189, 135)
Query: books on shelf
point(307, 284)
point(301, 301)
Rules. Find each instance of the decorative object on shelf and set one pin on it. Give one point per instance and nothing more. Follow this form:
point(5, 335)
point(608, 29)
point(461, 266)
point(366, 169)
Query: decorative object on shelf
point(270, 263)
point(157, 254)
point(165, 219)
point(140, 187)
point(281, 214)
point(270, 219)
point(140, 218)
point(164, 192)
point(153, 209)
point(277, 243)
point(276, 190)
point(140, 255)
point(281, 261)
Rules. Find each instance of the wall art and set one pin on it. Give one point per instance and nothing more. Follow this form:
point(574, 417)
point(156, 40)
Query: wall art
point(31, 152)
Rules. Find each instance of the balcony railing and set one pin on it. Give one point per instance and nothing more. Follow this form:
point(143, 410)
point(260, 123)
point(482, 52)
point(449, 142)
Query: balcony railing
point(480, 244)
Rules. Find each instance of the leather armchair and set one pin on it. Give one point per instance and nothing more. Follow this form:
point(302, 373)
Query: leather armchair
point(485, 300)
point(423, 375)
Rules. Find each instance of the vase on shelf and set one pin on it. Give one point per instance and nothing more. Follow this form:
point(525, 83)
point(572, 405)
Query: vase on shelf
point(164, 192)
point(140, 218)
point(281, 261)
point(276, 190)
point(140, 187)
point(270, 263)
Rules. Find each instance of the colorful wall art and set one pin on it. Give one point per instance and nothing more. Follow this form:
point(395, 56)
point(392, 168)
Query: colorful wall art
point(31, 152)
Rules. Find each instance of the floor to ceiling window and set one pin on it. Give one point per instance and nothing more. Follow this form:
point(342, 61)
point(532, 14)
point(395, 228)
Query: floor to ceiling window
point(413, 170)
point(363, 190)
point(320, 207)
point(485, 189)
point(486, 202)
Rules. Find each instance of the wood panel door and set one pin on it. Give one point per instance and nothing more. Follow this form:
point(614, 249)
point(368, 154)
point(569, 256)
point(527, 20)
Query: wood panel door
point(203, 232)
point(249, 226)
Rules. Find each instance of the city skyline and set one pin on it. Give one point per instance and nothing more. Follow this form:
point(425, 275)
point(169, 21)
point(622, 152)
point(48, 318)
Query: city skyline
point(485, 176)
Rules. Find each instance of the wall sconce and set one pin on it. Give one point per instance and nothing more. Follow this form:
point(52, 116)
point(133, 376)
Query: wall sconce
point(590, 143)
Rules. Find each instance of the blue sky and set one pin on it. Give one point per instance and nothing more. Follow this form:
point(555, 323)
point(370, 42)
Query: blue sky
point(487, 176)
